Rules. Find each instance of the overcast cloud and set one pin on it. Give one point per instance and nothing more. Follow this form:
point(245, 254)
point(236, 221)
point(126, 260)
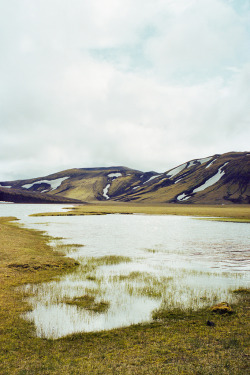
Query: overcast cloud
point(140, 83)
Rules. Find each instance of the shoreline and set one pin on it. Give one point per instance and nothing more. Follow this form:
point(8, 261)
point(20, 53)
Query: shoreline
point(238, 213)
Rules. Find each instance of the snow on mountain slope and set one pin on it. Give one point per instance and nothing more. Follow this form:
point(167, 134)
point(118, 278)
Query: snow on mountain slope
point(105, 191)
point(212, 180)
point(218, 179)
point(54, 184)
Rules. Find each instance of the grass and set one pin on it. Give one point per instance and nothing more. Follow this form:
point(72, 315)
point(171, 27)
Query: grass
point(91, 263)
point(110, 260)
point(242, 291)
point(241, 213)
point(144, 284)
point(88, 302)
point(227, 219)
point(153, 251)
point(176, 342)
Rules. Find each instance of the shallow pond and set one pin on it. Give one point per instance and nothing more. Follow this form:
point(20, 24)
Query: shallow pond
point(132, 265)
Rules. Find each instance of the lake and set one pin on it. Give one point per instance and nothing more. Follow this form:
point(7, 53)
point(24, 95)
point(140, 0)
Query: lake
point(135, 264)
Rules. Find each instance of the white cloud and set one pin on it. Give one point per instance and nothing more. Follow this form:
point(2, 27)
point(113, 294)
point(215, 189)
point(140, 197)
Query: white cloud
point(178, 88)
point(202, 40)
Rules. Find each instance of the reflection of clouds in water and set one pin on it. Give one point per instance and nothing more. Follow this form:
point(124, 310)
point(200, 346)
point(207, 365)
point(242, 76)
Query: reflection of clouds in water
point(57, 320)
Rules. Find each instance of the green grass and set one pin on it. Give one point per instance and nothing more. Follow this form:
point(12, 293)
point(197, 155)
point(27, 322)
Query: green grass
point(176, 342)
point(153, 251)
point(88, 302)
point(242, 291)
point(227, 220)
point(241, 213)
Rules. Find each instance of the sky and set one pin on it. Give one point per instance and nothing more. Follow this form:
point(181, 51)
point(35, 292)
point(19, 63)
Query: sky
point(147, 84)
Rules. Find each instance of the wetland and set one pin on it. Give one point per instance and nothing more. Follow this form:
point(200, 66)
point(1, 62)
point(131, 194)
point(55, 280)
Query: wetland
point(134, 293)
point(130, 266)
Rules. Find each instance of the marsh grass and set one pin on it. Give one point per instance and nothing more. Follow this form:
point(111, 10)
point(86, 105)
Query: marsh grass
point(110, 260)
point(94, 262)
point(90, 264)
point(145, 284)
point(227, 219)
point(69, 246)
point(243, 291)
point(88, 302)
point(153, 251)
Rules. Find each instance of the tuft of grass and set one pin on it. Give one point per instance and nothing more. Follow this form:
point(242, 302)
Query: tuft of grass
point(90, 264)
point(69, 246)
point(153, 251)
point(226, 219)
point(91, 278)
point(243, 291)
point(113, 259)
point(108, 260)
point(135, 275)
point(88, 302)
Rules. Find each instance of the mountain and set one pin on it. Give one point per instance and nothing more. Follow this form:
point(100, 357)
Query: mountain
point(217, 179)
point(20, 196)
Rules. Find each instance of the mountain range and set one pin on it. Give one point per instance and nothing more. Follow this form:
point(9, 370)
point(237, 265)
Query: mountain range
point(218, 179)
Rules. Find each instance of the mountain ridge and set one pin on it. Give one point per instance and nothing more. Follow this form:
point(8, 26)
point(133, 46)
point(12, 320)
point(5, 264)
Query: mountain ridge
point(216, 179)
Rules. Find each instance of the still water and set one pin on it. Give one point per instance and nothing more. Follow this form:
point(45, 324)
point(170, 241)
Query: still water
point(171, 261)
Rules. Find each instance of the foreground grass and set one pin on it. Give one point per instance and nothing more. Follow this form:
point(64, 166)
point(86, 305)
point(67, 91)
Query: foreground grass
point(239, 213)
point(177, 342)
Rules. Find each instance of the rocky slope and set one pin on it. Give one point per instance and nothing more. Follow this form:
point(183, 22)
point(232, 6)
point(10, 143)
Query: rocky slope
point(218, 179)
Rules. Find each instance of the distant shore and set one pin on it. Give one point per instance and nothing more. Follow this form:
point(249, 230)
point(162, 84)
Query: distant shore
point(235, 213)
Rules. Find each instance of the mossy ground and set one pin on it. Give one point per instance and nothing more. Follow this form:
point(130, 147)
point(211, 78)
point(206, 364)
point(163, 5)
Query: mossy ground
point(176, 342)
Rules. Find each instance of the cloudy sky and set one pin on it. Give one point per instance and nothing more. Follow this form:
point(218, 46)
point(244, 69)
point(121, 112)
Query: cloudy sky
point(147, 84)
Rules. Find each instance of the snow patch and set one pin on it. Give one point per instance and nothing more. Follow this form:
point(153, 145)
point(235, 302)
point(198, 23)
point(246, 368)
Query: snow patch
point(53, 183)
point(204, 160)
point(210, 163)
point(5, 202)
point(175, 171)
point(192, 163)
point(136, 187)
point(151, 178)
point(8, 187)
point(105, 191)
point(179, 179)
point(183, 197)
point(211, 181)
point(114, 175)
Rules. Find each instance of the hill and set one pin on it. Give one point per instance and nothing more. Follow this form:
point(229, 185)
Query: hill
point(11, 195)
point(217, 179)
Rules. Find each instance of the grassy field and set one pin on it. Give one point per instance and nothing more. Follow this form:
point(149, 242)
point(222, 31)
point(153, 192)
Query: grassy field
point(234, 213)
point(176, 342)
